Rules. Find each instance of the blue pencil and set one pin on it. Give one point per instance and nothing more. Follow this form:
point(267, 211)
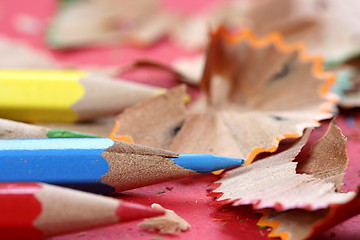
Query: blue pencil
point(99, 165)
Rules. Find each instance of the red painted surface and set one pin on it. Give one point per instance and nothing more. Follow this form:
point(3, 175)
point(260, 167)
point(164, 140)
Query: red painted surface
point(18, 209)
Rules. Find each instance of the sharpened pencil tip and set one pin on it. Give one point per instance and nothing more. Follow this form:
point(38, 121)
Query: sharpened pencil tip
point(127, 211)
point(203, 163)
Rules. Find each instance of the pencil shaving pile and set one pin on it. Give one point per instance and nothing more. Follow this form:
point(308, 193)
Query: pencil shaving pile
point(250, 111)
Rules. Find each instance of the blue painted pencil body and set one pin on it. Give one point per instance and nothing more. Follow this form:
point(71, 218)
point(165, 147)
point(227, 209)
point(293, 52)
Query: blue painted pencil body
point(99, 165)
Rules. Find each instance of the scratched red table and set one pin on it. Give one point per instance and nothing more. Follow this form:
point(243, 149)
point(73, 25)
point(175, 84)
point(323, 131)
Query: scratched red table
point(187, 197)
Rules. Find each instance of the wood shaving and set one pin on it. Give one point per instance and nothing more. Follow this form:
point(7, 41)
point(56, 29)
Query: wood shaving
point(317, 23)
point(81, 23)
point(273, 181)
point(170, 223)
point(17, 54)
point(301, 224)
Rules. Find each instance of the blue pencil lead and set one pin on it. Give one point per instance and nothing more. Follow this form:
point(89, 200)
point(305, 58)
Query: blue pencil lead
point(203, 163)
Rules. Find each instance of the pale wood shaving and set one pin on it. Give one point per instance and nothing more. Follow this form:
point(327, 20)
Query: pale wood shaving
point(82, 23)
point(273, 181)
point(170, 223)
point(155, 122)
point(17, 54)
point(191, 68)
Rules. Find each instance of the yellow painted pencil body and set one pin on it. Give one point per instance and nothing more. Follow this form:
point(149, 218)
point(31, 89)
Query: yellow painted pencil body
point(27, 95)
point(64, 95)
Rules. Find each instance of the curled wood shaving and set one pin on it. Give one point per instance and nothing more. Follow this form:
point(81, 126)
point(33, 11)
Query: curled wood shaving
point(273, 181)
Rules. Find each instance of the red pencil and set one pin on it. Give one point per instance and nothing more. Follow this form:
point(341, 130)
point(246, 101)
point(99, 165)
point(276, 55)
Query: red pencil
point(37, 210)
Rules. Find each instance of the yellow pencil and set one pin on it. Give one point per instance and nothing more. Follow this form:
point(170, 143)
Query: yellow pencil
point(65, 95)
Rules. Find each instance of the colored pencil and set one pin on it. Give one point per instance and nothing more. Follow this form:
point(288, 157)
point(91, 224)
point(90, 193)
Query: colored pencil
point(99, 165)
point(65, 95)
point(11, 129)
point(37, 210)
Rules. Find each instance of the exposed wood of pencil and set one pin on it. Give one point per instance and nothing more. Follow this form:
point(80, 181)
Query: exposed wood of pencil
point(132, 166)
point(104, 96)
point(84, 211)
point(12, 129)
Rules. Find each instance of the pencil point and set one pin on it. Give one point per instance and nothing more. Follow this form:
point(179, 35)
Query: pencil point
point(127, 211)
point(203, 163)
